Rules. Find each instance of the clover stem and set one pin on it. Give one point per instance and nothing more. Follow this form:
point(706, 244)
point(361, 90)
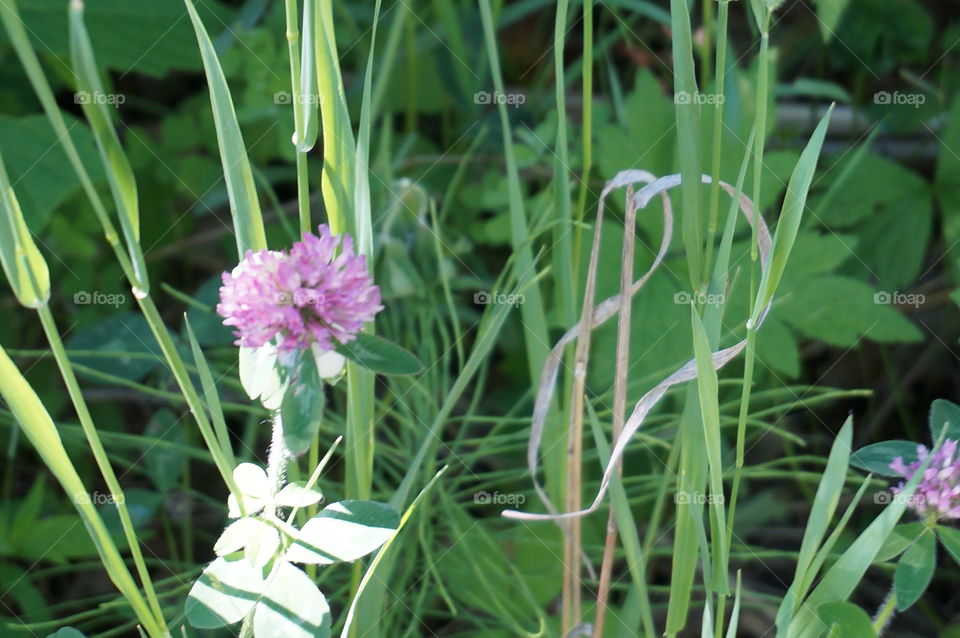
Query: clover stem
point(277, 458)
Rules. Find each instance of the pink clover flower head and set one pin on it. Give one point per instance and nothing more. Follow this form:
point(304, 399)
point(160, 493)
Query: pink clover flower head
point(938, 493)
point(317, 293)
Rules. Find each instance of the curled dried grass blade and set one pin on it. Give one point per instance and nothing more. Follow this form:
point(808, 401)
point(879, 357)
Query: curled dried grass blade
point(607, 309)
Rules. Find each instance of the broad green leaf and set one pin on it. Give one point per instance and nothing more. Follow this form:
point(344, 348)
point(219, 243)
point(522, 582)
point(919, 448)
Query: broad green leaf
point(225, 592)
point(877, 457)
point(380, 355)
point(206, 324)
point(944, 413)
point(291, 607)
point(900, 538)
point(344, 531)
point(244, 203)
point(152, 38)
point(794, 203)
point(67, 632)
point(948, 184)
point(915, 570)
point(301, 409)
point(23, 264)
point(951, 541)
point(93, 101)
point(841, 311)
point(42, 173)
point(165, 464)
point(124, 340)
point(846, 619)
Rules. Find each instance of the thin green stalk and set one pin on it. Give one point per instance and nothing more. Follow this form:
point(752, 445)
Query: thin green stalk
point(750, 352)
point(719, 83)
point(100, 455)
point(586, 132)
point(182, 376)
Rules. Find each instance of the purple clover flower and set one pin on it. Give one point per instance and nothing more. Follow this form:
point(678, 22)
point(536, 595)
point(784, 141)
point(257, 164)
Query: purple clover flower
point(314, 294)
point(938, 493)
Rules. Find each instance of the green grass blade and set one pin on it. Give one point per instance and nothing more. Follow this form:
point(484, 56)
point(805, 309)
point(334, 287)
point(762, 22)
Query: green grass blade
point(710, 415)
point(244, 203)
point(13, 24)
point(338, 142)
point(123, 185)
point(379, 558)
point(688, 137)
point(23, 264)
point(794, 203)
point(35, 422)
point(826, 500)
point(211, 396)
point(563, 272)
point(842, 578)
point(307, 106)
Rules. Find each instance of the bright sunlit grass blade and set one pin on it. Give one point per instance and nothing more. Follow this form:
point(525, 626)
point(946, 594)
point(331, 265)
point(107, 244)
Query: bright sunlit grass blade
point(42, 434)
point(244, 202)
point(123, 184)
point(23, 264)
point(337, 180)
point(307, 116)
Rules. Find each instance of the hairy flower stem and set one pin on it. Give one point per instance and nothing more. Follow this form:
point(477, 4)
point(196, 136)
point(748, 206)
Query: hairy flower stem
point(277, 458)
point(885, 613)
